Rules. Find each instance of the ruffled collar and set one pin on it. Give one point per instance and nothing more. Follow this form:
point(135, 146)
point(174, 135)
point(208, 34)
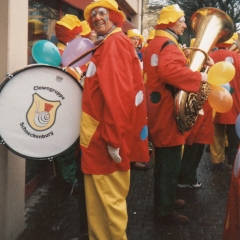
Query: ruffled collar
point(100, 38)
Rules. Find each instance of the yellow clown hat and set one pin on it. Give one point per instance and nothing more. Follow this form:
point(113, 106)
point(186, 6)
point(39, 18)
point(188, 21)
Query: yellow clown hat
point(85, 28)
point(69, 21)
point(135, 33)
point(232, 39)
point(38, 26)
point(109, 4)
point(170, 14)
point(151, 34)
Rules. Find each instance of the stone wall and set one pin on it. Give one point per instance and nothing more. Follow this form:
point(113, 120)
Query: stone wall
point(150, 17)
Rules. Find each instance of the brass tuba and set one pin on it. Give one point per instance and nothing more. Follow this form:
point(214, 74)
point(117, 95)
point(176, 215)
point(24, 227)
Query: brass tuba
point(210, 25)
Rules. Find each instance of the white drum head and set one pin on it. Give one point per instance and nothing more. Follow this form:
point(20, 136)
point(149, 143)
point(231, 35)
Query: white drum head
point(40, 108)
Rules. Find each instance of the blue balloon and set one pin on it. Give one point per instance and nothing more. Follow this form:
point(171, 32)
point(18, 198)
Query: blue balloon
point(226, 86)
point(237, 126)
point(45, 52)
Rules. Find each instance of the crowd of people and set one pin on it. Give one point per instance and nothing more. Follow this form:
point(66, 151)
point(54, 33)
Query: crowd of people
point(128, 102)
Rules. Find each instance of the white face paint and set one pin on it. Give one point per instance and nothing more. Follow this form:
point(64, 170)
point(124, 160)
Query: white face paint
point(182, 19)
point(100, 20)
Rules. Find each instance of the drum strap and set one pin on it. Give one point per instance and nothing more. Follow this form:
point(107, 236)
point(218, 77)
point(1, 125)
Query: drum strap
point(98, 44)
point(169, 42)
point(82, 56)
point(170, 87)
point(85, 54)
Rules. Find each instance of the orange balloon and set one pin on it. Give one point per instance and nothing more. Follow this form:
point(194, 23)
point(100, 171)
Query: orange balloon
point(221, 73)
point(220, 99)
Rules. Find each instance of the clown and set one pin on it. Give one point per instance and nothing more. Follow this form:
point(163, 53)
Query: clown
point(149, 38)
point(232, 218)
point(224, 123)
point(87, 32)
point(136, 39)
point(68, 28)
point(165, 71)
point(113, 125)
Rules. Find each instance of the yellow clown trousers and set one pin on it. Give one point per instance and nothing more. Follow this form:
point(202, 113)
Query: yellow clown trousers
point(106, 205)
point(217, 148)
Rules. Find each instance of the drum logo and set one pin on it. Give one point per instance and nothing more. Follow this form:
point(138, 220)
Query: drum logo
point(42, 113)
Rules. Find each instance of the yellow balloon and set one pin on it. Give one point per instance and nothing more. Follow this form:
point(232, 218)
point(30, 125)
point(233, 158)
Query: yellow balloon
point(221, 73)
point(220, 99)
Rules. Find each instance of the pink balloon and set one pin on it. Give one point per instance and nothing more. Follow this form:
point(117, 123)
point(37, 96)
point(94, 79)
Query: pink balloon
point(75, 49)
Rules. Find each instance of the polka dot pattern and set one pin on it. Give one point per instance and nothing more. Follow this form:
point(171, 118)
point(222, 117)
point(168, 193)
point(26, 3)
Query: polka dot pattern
point(154, 60)
point(144, 133)
point(91, 69)
point(155, 97)
point(139, 98)
point(229, 59)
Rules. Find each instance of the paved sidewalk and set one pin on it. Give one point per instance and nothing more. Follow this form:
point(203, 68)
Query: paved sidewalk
point(52, 216)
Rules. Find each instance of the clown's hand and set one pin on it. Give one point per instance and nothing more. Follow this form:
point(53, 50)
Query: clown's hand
point(114, 154)
point(209, 61)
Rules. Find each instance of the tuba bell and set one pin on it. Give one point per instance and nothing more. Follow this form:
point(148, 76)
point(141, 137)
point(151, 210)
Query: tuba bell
point(210, 25)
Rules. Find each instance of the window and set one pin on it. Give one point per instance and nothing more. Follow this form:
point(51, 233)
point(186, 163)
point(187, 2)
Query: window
point(156, 2)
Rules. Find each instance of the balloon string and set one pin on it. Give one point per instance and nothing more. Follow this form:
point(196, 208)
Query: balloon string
point(84, 54)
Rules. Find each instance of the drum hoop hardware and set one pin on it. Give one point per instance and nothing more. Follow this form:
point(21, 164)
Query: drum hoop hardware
point(2, 142)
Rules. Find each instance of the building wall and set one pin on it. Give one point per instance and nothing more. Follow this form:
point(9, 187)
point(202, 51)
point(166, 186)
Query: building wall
point(150, 16)
point(14, 34)
point(13, 48)
point(136, 19)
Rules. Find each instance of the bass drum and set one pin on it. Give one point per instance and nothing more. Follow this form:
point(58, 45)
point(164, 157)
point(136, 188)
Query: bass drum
point(40, 111)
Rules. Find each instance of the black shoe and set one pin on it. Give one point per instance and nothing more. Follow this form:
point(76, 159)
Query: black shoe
point(228, 166)
point(217, 167)
point(179, 203)
point(173, 218)
point(141, 166)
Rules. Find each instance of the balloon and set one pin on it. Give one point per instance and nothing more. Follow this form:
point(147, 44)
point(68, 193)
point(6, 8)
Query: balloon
point(226, 86)
point(45, 52)
point(75, 49)
point(221, 73)
point(220, 99)
point(237, 126)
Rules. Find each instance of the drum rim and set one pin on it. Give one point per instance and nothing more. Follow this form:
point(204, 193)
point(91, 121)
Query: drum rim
point(2, 142)
point(36, 65)
point(8, 78)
